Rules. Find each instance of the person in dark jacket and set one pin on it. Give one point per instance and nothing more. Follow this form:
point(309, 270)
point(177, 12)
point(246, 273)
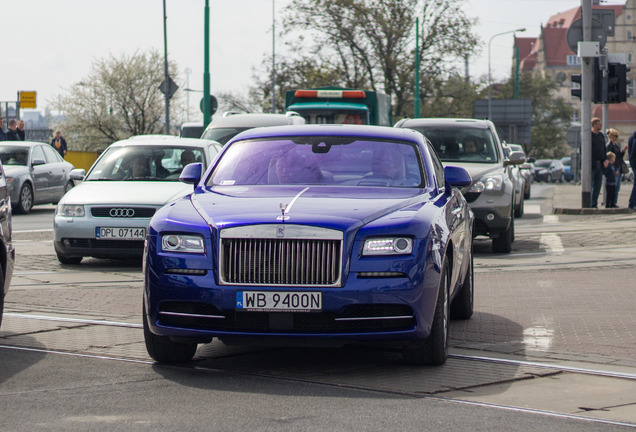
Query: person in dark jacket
point(12, 133)
point(632, 161)
point(610, 172)
point(3, 136)
point(59, 143)
point(615, 147)
point(598, 159)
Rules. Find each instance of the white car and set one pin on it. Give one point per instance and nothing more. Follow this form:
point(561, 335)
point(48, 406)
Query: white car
point(107, 214)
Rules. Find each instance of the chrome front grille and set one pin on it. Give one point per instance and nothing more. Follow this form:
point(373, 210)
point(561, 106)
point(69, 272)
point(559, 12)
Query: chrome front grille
point(263, 256)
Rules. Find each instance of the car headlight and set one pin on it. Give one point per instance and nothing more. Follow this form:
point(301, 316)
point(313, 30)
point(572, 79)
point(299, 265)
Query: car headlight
point(388, 246)
point(71, 210)
point(9, 182)
point(182, 243)
point(490, 183)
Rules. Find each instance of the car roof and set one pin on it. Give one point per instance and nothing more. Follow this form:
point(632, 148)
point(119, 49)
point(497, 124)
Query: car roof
point(445, 122)
point(331, 129)
point(21, 143)
point(170, 140)
point(253, 120)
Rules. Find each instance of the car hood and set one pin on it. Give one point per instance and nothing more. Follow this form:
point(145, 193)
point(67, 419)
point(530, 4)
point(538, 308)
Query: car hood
point(478, 170)
point(126, 193)
point(317, 205)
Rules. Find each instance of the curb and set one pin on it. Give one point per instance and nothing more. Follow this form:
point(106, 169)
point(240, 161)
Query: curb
point(592, 211)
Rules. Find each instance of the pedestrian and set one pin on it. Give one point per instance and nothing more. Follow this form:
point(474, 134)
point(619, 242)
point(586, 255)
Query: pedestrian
point(20, 130)
point(12, 133)
point(610, 172)
point(3, 136)
point(598, 158)
point(59, 143)
point(615, 147)
point(632, 161)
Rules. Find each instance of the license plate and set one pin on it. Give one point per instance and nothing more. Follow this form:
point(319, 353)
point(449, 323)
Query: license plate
point(278, 301)
point(114, 233)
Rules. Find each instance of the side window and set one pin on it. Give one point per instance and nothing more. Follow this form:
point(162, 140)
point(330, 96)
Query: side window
point(37, 153)
point(437, 166)
point(51, 155)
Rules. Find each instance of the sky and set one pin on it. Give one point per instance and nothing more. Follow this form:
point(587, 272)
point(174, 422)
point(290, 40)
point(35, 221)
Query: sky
point(50, 44)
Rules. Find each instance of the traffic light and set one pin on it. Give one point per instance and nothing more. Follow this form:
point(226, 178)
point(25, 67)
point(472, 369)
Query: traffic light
point(616, 82)
point(597, 84)
point(576, 91)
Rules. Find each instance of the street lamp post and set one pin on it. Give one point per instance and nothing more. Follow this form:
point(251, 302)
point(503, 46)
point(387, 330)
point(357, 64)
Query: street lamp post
point(489, 76)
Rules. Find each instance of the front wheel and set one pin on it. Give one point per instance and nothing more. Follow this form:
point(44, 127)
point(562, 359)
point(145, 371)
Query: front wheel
point(463, 303)
point(434, 349)
point(163, 350)
point(503, 243)
point(25, 201)
point(63, 259)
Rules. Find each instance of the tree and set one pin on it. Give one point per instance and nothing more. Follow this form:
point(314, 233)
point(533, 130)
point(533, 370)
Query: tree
point(551, 115)
point(119, 98)
point(370, 44)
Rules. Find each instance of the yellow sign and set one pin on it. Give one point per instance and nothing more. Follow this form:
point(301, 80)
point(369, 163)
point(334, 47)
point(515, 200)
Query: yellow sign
point(28, 99)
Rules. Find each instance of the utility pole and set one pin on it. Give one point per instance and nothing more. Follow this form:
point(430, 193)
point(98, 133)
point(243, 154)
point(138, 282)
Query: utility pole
point(587, 72)
point(416, 101)
point(206, 66)
point(273, 56)
point(165, 67)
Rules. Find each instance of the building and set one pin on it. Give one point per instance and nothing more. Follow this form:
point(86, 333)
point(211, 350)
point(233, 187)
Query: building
point(550, 55)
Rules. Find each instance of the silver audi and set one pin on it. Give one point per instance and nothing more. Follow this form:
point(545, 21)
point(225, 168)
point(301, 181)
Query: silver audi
point(107, 214)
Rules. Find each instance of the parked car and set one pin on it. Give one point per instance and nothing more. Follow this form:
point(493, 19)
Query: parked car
point(312, 234)
point(568, 172)
point(107, 215)
point(549, 170)
point(519, 182)
point(492, 194)
point(7, 251)
point(224, 128)
point(526, 169)
point(629, 177)
point(191, 130)
point(35, 174)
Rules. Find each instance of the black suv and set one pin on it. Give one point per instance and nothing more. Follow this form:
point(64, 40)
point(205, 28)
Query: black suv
point(474, 145)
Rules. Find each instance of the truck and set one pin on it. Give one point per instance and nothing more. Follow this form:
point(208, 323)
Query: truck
point(336, 105)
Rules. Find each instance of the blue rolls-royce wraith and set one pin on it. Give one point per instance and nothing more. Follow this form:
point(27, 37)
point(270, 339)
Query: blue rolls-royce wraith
point(313, 234)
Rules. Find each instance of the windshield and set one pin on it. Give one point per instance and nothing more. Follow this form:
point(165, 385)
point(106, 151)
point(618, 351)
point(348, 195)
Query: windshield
point(543, 163)
point(462, 144)
point(145, 162)
point(223, 135)
point(330, 160)
point(11, 155)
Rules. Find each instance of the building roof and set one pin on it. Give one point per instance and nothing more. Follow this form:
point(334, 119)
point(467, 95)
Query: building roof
point(618, 113)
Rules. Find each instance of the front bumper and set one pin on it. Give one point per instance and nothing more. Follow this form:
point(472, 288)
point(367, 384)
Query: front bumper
point(493, 212)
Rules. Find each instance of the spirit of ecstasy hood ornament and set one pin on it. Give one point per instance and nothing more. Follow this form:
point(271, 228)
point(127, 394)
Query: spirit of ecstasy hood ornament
point(283, 208)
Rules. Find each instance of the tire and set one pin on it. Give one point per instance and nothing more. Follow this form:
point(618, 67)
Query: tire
point(503, 243)
point(562, 178)
point(526, 193)
point(63, 259)
point(25, 201)
point(463, 304)
point(520, 210)
point(163, 350)
point(434, 349)
point(1, 295)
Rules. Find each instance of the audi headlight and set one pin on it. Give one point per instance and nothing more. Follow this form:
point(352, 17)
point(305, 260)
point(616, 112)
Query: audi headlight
point(9, 182)
point(490, 183)
point(182, 243)
point(388, 246)
point(70, 210)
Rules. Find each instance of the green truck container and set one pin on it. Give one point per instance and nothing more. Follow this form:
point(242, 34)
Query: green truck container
point(336, 105)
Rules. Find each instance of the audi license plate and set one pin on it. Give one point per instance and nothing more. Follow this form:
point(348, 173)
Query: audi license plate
point(278, 301)
point(114, 233)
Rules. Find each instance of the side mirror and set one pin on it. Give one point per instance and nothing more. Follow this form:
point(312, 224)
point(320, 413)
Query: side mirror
point(457, 177)
point(38, 162)
point(77, 174)
point(515, 158)
point(191, 173)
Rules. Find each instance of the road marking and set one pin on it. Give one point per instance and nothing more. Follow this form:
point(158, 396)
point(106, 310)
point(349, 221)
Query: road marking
point(552, 243)
point(548, 219)
point(532, 209)
point(74, 320)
